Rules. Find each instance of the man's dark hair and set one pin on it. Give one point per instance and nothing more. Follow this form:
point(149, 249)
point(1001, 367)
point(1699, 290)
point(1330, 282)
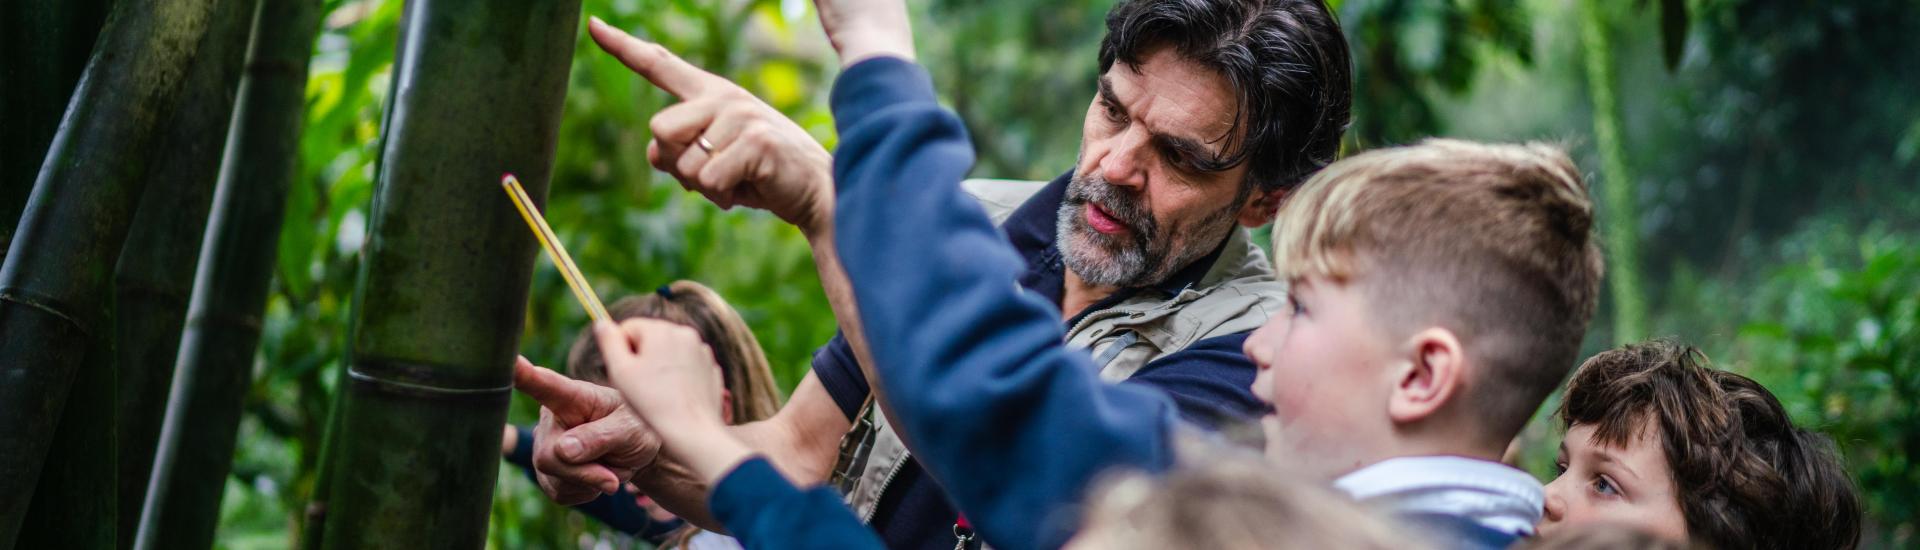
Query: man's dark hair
point(1286, 60)
point(1745, 477)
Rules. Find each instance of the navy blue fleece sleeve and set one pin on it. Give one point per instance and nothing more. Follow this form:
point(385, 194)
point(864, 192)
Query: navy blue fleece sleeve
point(1210, 381)
point(1012, 423)
point(764, 510)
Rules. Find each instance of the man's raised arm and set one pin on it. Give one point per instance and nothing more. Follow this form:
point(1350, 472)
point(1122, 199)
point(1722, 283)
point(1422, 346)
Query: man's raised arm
point(736, 150)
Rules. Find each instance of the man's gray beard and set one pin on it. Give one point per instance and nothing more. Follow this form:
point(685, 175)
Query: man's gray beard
point(1145, 255)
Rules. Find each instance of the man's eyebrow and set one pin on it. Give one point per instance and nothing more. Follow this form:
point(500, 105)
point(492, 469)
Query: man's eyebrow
point(1106, 93)
point(1191, 149)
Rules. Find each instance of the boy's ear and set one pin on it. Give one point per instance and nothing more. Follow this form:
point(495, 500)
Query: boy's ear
point(1260, 207)
point(1432, 375)
point(726, 406)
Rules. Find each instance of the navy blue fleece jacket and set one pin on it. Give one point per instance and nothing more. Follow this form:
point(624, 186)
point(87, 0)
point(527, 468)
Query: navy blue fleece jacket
point(1013, 424)
point(765, 511)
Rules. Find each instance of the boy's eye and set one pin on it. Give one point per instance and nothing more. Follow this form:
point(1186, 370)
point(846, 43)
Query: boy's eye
point(1298, 308)
point(1605, 486)
point(1559, 468)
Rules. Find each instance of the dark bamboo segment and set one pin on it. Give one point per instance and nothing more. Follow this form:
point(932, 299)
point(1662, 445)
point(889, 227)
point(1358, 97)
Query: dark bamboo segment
point(155, 274)
point(56, 285)
point(215, 362)
point(477, 91)
point(41, 55)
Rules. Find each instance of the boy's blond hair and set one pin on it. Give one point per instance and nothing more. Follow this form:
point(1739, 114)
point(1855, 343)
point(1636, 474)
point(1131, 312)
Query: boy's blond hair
point(1229, 502)
point(1492, 242)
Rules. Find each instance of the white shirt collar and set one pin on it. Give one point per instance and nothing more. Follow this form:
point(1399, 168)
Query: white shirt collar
point(1490, 493)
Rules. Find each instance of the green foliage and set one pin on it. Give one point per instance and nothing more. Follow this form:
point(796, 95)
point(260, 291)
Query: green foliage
point(1841, 347)
point(1406, 53)
point(1020, 73)
point(1776, 113)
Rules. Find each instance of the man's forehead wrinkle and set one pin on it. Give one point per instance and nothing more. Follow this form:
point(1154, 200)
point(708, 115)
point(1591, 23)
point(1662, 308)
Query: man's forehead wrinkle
point(1171, 111)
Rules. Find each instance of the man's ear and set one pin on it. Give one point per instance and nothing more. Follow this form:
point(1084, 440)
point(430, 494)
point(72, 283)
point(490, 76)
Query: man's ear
point(726, 406)
point(1432, 374)
point(1260, 207)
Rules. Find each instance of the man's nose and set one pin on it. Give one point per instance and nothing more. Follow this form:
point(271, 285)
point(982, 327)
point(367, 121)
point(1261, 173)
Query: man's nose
point(1126, 163)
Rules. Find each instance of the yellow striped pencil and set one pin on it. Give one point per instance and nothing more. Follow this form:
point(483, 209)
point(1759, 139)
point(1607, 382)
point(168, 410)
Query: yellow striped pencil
point(555, 251)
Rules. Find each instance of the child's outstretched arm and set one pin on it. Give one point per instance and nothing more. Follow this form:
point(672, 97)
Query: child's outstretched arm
point(973, 371)
point(668, 376)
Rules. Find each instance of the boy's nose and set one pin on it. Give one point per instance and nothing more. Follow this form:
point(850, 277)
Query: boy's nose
point(1556, 508)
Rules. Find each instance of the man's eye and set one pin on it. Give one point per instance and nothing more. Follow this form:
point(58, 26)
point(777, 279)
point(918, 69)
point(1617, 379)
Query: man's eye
point(1181, 163)
point(1114, 115)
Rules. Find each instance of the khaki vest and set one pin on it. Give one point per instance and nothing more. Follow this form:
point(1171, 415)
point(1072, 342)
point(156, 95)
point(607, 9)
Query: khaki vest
point(1238, 294)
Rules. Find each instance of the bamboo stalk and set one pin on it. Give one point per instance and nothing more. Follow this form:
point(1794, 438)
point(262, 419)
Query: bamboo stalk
point(215, 361)
point(155, 273)
point(1621, 227)
point(56, 285)
point(441, 298)
point(41, 55)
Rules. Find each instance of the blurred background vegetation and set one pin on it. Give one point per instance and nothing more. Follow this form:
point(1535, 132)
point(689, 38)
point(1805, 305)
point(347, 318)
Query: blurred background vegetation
point(1774, 148)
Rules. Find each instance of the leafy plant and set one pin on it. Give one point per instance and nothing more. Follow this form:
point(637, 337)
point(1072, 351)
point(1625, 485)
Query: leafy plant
point(1841, 347)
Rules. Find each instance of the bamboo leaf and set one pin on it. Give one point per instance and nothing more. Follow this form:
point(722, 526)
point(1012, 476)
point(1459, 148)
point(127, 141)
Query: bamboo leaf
point(1673, 31)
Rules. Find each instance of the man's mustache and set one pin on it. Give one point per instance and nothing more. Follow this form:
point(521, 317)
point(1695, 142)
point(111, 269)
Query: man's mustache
point(1126, 208)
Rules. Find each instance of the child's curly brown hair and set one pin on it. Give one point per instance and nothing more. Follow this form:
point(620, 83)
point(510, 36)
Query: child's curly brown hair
point(1744, 475)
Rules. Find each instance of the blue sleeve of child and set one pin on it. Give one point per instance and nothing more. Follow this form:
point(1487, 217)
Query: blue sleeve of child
point(764, 510)
point(977, 377)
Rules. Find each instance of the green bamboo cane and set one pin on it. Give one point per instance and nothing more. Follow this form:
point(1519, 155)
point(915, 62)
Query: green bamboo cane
point(1620, 228)
point(155, 272)
point(478, 88)
point(56, 286)
point(313, 519)
point(215, 361)
point(41, 55)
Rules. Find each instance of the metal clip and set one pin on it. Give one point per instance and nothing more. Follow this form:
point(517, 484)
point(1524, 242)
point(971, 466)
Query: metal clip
point(855, 448)
point(964, 538)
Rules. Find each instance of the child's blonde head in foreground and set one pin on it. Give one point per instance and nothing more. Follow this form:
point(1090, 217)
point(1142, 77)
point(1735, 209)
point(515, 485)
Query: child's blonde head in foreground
point(1237, 502)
